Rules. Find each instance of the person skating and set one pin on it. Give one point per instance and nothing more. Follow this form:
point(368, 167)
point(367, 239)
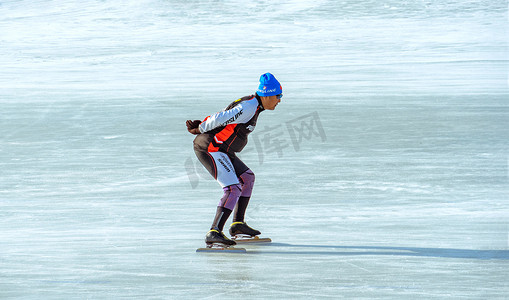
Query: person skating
point(219, 137)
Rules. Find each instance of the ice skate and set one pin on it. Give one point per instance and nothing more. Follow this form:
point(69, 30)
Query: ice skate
point(216, 238)
point(242, 233)
point(217, 242)
point(241, 228)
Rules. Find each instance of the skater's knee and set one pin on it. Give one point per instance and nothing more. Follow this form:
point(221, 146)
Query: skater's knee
point(231, 196)
point(248, 177)
point(233, 190)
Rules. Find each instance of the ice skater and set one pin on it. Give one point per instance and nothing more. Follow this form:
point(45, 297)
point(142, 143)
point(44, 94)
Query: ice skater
point(219, 137)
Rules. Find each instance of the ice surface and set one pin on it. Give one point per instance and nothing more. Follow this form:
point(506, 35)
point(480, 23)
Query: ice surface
point(383, 173)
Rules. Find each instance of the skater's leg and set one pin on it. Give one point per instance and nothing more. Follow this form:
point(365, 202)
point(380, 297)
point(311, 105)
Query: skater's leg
point(207, 161)
point(222, 214)
point(219, 165)
point(226, 205)
point(221, 168)
point(247, 181)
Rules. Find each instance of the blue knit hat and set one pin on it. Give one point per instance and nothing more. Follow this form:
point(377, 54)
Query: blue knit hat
point(269, 86)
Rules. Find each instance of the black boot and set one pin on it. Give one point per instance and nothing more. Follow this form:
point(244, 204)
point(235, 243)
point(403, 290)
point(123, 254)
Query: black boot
point(215, 236)
point(242, 228)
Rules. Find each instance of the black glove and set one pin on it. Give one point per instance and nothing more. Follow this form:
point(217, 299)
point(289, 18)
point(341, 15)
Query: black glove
point(192, 126)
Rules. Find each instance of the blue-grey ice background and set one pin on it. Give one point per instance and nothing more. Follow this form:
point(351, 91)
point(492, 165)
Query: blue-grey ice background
point(383, 173)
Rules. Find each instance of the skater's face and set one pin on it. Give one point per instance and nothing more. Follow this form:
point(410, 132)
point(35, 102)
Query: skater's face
point(270, 102)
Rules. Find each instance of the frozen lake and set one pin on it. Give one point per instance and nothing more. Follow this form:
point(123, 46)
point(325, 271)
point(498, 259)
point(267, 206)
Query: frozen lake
point(383, 173)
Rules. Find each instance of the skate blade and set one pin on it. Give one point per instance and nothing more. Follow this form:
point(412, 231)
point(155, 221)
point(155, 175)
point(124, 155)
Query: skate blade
point(222, 250)
point(242, 238)
point(217, 247)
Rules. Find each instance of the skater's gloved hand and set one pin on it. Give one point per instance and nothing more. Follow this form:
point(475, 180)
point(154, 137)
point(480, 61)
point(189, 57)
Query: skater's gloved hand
point(192, 126)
